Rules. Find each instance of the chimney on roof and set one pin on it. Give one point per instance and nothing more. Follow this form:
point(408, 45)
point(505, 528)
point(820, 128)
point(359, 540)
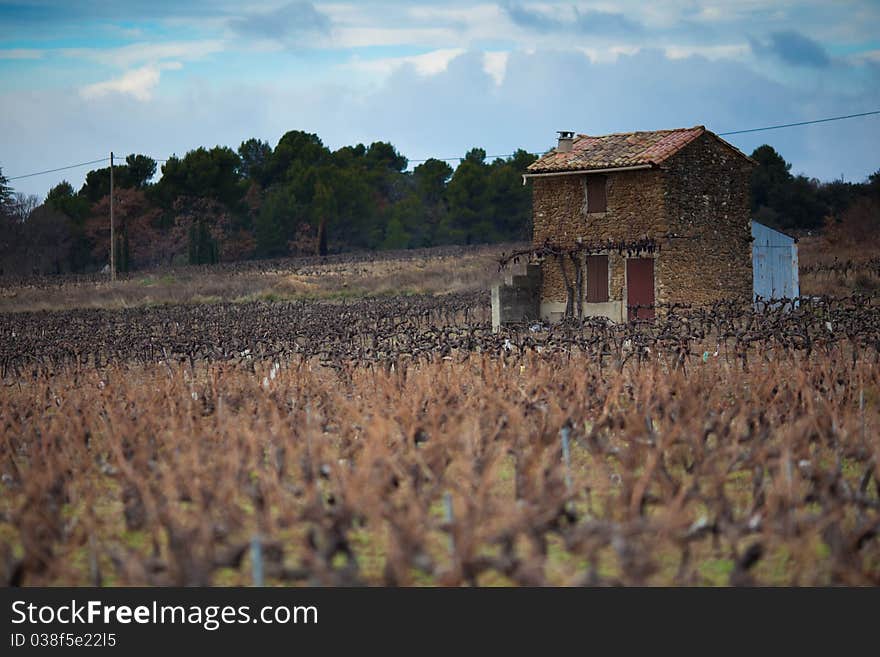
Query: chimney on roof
point(566, 139)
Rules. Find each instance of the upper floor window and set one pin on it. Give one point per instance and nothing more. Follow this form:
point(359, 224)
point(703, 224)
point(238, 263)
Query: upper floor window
point(594, 190)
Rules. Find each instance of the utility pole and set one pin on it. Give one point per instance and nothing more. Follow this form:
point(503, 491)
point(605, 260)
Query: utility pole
point(112, 229)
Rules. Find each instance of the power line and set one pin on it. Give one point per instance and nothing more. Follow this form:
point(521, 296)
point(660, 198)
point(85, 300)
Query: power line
point(791, 125)
point(459, 158)
point(155, 159)
point(720, 134)
point(72, 166)
point(488, 157)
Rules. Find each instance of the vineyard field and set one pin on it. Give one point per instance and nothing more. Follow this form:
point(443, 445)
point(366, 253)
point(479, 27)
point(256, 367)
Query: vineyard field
point(398, 441)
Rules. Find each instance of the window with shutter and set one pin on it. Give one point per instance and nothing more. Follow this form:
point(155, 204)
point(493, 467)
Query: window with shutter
point(595, 190)
point(597, 279)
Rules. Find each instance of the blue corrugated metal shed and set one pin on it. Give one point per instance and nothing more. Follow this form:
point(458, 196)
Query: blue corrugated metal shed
point(774, 263)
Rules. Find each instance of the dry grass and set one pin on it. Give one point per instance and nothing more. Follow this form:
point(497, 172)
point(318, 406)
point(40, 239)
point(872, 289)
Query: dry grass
point(836, 261)
point(440, 275)
point(758, 464)
point(715, 475)
point(471, 269)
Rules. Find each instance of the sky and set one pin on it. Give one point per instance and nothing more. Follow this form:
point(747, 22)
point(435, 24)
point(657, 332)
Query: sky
point(435, 78)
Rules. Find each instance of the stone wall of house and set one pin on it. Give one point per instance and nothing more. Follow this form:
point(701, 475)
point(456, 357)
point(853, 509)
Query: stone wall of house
point(634, 210)
point(707, 200)
point(700, 194)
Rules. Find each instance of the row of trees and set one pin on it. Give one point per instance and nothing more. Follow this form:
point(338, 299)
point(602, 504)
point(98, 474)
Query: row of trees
point(256, 201)
point(302, 198)
point(798, 203)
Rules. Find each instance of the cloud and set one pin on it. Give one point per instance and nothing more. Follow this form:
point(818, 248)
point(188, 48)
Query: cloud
point(463, 105)
point(534, 20)
point(601, 22)
point(290, 22)
point(607, 53)
point(138, 83)
point(368, 37)
point(142, 53)
point(582, 21)
point(495, 65)
point(544, 91)
point(726, 51)
point(21, 53)
point(429, 63)
point(870, 56)
point(793, 48)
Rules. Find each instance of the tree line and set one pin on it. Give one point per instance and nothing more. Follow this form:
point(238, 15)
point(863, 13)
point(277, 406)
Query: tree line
point(799, 203)
point(300, 198)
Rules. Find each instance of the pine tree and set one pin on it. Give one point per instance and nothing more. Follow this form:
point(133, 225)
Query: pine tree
point(6, 197)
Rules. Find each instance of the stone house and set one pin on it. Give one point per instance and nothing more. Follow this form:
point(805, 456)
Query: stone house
point(626, 221)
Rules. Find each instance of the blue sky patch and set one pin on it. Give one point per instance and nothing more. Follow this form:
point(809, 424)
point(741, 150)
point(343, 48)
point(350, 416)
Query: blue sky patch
point(434, 78)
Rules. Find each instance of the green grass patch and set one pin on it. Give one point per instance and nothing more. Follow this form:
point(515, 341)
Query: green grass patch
point(716, 572)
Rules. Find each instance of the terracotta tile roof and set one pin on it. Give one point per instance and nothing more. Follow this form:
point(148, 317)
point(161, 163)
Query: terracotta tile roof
point(619, 150)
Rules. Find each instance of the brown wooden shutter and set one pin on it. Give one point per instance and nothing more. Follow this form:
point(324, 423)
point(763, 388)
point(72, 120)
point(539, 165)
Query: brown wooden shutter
point(597, 279)
point(596, 201)
point(640, 288)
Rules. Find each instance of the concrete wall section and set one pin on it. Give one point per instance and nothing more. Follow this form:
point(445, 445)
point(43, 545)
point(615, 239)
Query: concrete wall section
point(554, 311)
point(517, 299)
